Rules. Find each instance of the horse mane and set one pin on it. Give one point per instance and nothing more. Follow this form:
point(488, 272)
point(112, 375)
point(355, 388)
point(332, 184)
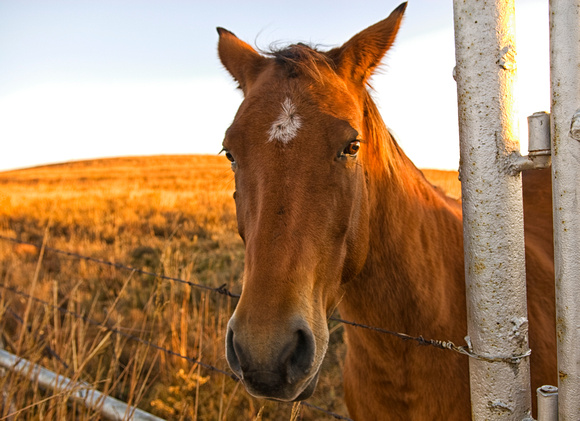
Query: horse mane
point(387, 161)
point(300, 59)
point(384, 151)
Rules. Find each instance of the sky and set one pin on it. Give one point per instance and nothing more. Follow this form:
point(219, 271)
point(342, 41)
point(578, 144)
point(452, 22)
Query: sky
point(89, 79)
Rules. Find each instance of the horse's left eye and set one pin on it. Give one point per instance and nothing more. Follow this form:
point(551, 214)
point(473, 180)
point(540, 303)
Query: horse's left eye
point(230, 157)
point(352, 148)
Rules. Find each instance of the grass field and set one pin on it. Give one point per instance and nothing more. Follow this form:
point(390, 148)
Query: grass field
point(172, 215)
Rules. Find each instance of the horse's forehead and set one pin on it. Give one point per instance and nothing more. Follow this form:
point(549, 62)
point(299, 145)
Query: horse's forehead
point(288, 110)
point(279, 108)
point(282, 117)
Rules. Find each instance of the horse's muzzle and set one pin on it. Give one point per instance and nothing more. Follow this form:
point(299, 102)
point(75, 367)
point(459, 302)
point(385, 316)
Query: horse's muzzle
point(279, 367)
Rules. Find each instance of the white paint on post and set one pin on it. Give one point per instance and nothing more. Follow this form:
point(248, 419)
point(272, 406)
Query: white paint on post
point(492, 209)
point(565, 84)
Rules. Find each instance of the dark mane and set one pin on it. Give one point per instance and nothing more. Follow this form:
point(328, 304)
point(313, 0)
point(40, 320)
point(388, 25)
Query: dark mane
point(301, 59)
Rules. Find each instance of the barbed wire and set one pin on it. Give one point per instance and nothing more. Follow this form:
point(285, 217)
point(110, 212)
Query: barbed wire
point(220, 290)
point(465, 350)
point(115, 330)
point(440, 344)
point(147, 343)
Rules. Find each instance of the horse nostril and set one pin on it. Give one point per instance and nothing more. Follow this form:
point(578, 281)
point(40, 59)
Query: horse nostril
point(231, 354)
point(300, 357)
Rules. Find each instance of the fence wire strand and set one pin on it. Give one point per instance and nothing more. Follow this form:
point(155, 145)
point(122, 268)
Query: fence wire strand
point(47, 348)
point(464, 350)
point(220, 290)
point(115, 330)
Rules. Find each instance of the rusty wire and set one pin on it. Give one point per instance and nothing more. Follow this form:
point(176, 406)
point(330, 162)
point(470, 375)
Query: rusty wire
point(47, 348)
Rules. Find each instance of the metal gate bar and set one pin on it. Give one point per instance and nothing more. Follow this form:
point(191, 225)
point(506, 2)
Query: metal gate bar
point(565, 90)
point(492, 209)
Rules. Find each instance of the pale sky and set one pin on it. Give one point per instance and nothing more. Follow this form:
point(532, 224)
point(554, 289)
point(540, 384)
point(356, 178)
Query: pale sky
point(101, 78)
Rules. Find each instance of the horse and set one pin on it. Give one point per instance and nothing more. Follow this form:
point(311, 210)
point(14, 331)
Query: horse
point(333, 214)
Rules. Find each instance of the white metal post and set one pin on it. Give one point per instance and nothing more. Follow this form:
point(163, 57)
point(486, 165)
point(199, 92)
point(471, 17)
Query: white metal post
point(565, 87)
point(110, 408)
point(492, 209)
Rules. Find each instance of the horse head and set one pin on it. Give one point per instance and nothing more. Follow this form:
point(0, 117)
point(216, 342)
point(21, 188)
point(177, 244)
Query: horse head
point(298, 151)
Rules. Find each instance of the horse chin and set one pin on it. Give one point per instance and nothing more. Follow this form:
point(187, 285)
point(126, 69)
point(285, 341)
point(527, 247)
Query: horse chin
point(307, 392)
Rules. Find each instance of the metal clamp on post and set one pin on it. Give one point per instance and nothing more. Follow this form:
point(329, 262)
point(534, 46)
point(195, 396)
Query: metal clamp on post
point(538, 145)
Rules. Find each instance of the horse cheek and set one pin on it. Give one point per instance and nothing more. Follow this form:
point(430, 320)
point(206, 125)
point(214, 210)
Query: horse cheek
point(357, 241)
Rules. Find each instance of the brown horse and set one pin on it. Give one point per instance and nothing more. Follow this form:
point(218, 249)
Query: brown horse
point(332, 213)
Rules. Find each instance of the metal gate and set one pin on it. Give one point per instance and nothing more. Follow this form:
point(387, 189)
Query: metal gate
point(492, 205)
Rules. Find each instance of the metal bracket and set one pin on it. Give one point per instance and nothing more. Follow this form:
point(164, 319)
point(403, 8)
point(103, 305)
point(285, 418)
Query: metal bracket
point(539, 148)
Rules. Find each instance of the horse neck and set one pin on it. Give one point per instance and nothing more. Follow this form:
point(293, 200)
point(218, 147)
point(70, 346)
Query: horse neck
point(414, 269)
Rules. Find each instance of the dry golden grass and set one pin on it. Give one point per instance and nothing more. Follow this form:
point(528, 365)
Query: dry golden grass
point(446, 180)
point(172, 215)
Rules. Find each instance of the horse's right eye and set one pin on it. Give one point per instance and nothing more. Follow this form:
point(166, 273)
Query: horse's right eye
point(352, 148)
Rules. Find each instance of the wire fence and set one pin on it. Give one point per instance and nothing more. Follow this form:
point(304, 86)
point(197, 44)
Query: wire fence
point(440, 344)
point(118, 331)
point(222, 289)
point(147, 343)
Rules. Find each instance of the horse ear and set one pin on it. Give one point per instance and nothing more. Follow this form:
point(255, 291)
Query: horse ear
point(239, 58)
point(359, 56)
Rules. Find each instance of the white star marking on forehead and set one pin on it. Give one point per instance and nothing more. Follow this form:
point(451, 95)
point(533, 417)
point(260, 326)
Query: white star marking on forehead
point(285, 128)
